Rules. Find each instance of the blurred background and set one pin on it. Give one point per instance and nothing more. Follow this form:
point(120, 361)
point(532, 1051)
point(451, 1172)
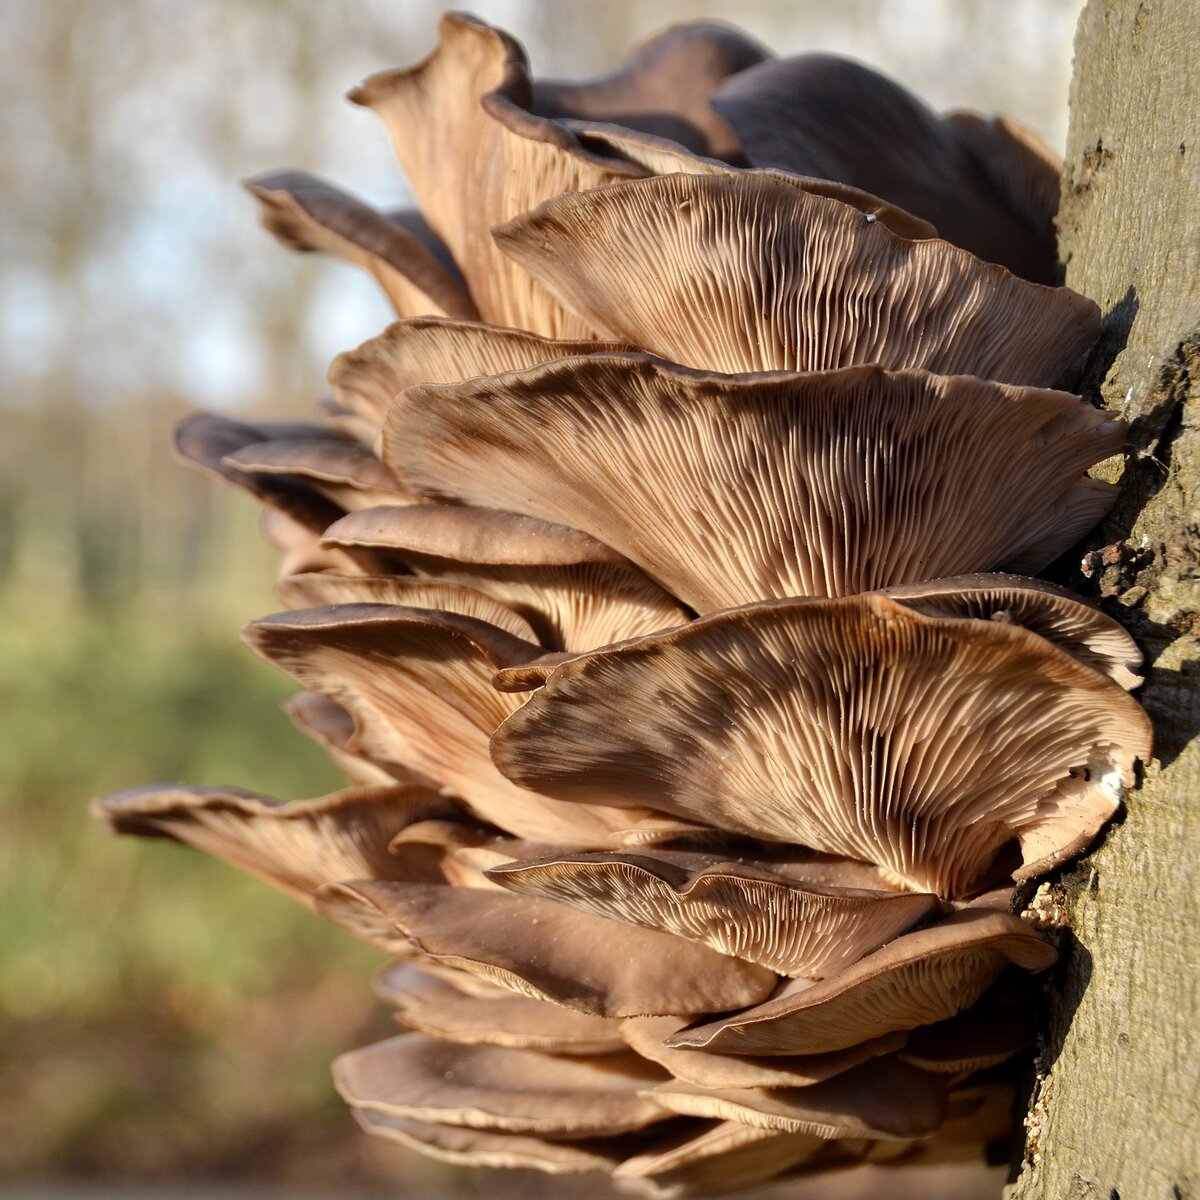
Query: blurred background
point(164, 1021)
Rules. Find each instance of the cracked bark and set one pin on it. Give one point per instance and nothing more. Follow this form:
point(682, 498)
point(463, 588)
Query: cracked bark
point(1114, 1114)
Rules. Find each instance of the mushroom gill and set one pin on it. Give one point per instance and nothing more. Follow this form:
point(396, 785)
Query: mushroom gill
point(661, 582)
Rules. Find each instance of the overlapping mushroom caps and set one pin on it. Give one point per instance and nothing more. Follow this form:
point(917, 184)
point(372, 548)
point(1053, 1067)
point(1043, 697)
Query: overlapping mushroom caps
point(651, 579)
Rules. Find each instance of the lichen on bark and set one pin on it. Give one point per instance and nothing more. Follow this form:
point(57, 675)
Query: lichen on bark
point(1115, 1112)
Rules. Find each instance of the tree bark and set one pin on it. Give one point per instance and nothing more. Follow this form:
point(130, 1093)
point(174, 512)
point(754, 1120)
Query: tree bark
point(1115, 1112)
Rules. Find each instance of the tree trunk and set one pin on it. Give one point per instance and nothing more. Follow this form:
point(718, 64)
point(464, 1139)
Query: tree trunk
point(1114, 1112)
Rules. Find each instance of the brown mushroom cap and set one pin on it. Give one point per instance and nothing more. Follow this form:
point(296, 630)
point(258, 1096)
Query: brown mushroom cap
point(348, 473)
point(305, 213)
point(648, 1035)
point(746, 911)
point(662, 157)
point(662, 87)
point(417, 684)
point(296, 847)
point(986, 1034)
point(475, 156)
point(435, 350)
point(728, 489)
point(719, 1157)
point(1051, 612)
point(918, 979)
point(435, 1008)
point(332, 728)
point(855, 726)
point(205, 441)
point(882, 1098)
point(747, 272)
point(573, 591)
point(488, 1087)
point(818, 114)
point(543, 950)
point(317, 588)
point(467, 1147)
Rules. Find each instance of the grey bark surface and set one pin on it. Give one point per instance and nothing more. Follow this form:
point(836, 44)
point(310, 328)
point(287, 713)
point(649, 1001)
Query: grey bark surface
point(1115, 1112)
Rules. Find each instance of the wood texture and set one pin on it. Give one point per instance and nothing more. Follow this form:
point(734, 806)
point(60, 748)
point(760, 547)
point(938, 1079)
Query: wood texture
point(1116, 1109)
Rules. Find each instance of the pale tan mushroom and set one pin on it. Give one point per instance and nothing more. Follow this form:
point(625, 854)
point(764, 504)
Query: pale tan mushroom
point(489, 1087)
point(746, 911)
point(818, 114)
point(729, 489)
point(856, 726)
point(572, 590)
point(434, 1007)
point(549, 952)
point(295, 847)
point(747, 272)
point(476, 156)
point(918, 979)
point(305, 213)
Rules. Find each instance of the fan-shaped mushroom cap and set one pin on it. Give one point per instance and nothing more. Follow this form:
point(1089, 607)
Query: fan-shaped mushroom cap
point(317, 588)
point(746, 911)
point(918, 979)
point(573, 591)
point(1051, 612)
point(205, 440)
point(728, 489)
point(347, 473)
point(332, 728)
point(748, 272)
point(662, 157)
point(821, 115)
point(296, 847)
point(543, 950)
point(662, 87)
point(433, 350)
point(488, 1087)
point(417, 684)
point(881, 1098)
point(435, 1008)
point(855, 726)
point(305, 213)
point(467, 1147)
point(721, 1157)
point(299, 546)
point(983, 1036)
point(475, 156)
point(648, 1035)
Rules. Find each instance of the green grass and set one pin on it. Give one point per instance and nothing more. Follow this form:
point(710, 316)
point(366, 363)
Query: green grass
point(160, 1011)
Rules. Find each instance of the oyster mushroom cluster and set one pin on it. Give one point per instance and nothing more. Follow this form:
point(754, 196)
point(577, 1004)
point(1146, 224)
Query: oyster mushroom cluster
point(661, 582)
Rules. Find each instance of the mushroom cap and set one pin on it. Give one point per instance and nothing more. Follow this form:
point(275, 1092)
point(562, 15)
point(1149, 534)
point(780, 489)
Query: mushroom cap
point(729, 489)
point(296, 847)
point(857, 726)
point(437, 350)
point(818, 114)
point(714, 1158)
point(417, 683)
point(467, 1147)
point(749, 272)
point(573, 591)
point(306, 213)
point(663, 87)
point(648, 1036)
point(476, 156)
point(745, 911)
point(546, 951)
point(918, 979)
point(882, 1098)
point(488, 1087)
point(315, 589)
point(434, 1007)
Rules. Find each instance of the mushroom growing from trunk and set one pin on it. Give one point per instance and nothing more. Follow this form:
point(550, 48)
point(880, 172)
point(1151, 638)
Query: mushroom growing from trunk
point(660, 580)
